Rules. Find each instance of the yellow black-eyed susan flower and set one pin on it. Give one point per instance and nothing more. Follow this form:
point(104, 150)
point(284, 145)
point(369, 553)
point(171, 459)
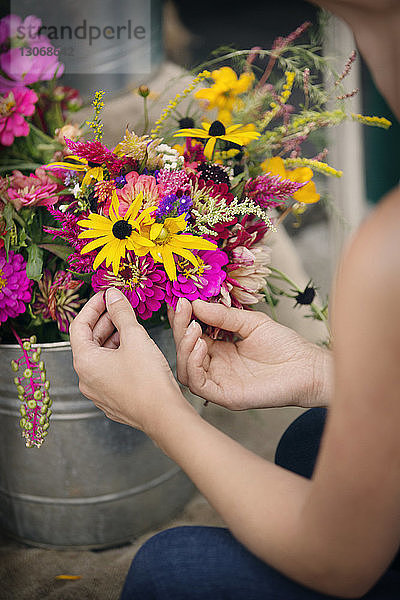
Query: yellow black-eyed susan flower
point(237, 134)
point(116, 233)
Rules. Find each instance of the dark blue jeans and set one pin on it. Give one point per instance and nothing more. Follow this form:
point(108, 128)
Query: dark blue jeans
point(207, 563)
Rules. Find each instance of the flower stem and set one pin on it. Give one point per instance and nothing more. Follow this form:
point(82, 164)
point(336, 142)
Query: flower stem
point(270, 303)
point(146, 115)
point(283, 216)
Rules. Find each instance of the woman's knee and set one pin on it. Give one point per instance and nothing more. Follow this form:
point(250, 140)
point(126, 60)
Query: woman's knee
point(168, 560)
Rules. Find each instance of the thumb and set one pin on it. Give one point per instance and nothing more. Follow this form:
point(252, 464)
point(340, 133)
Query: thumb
point(121, 312)
point(239, 321)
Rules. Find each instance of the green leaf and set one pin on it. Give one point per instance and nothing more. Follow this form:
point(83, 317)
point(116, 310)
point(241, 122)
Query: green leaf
point(8, 215)
point(86, 277)
point(21, 165)
point(58, 249)
point(238, 184)
point(237, 179)
point(35, 262)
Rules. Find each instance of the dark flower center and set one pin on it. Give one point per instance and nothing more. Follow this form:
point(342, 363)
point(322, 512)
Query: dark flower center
point(214, 173)
point(122, 229)
point(216, 128)
point(186, 123)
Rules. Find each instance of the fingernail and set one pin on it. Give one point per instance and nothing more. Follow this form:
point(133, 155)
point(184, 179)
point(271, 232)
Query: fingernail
point(190, 327)
point(197, 345)
point(112, 295)
point(179, 305)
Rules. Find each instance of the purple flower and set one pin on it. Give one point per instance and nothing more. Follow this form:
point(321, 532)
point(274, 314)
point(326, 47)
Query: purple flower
point(57, 299)
point(174, 205)
point(15, 287)
point(120, 181)
point(140, 279)
point(203, 281)
point(19, 68)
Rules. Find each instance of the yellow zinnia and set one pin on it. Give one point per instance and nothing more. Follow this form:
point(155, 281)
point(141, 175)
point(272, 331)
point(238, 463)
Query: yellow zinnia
point(168, 241)
point(223, 94)
point(116, 233)
point(81, 164)
point(308, 193)
point(237, 134)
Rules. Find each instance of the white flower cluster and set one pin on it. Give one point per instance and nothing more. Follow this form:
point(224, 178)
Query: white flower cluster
point(170, 157)
point(210, 210)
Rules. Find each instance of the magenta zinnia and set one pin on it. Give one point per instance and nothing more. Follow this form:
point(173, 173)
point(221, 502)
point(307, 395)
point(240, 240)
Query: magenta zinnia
point(15, 287)
point(57, 299)
point(139, 278)
point(201, 281)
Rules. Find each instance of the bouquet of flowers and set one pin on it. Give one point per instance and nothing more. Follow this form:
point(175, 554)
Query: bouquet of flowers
point(182, 211)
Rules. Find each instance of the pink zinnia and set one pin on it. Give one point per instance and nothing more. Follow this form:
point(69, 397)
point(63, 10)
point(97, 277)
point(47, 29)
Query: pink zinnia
point(140, 279)
point(15, 287)
point(203, 281)
point(135, 183)
point(36, 190)
point(14, 106)
point(19, 68)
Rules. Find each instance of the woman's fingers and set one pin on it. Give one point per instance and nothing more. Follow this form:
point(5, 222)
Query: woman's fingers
point(181, 319)
point(187, 342)
point(122, 314)
point(243, 322)
point(103, 329)
point(81, 329)
point(198, 380)
point(170, 315)
point(113, 341)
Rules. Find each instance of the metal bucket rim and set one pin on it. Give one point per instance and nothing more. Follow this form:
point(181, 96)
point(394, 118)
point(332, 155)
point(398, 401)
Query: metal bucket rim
point(56, 346)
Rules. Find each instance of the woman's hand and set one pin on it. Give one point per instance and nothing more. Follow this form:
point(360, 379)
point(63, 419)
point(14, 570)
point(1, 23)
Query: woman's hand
point(270, 366)
point(123, 372)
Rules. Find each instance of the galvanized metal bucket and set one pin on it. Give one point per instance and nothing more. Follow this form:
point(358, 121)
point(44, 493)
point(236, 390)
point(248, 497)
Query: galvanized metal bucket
point(94, 483)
